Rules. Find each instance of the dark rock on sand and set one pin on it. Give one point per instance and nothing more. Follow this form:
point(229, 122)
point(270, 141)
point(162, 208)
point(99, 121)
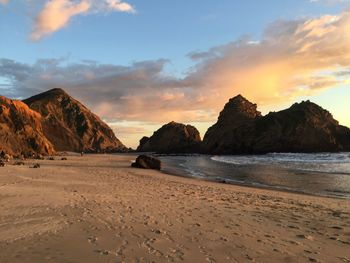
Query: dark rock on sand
point(38, 157)
point(172, 138)
point(147, 162)
point(2, 155)
point(21, 131)
point(70, 126)
point(19, 163)
point(2, 163)
point(5, 157)
point(304, 127)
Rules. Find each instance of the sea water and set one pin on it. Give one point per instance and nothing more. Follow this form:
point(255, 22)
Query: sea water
point(325, 174)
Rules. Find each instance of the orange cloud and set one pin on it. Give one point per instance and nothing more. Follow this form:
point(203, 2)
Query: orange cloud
point(55, 15)
point(293, 59)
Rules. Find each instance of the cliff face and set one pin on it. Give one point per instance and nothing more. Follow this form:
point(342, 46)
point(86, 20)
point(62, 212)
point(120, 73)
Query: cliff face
point(70, 126)
point(304, 127)
point(21, 130)
point(172, 138)
point(344, 137)
point(238, 110)
point(233, 132)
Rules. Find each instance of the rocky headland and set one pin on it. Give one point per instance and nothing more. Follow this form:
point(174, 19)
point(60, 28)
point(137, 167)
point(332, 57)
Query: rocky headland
point(53, 121)
point(304, 127)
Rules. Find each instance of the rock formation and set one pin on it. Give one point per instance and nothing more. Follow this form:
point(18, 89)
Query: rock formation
point(21, 132)
point(70, 126)
point(172, 138)
point(232, 131)
point(147, 162)
point(304, 127)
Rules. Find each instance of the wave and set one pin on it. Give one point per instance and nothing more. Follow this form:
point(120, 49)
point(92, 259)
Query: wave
point(325, 174)
point(315, 162)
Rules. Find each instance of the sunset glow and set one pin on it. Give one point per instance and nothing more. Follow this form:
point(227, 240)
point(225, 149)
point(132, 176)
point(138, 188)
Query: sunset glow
point(302, 56)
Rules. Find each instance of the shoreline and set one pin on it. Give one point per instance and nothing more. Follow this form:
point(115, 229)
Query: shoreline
point(96, 208)
point(262, 187)
point(283, 179)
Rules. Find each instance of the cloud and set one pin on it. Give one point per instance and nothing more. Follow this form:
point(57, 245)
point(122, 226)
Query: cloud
point(116, 92)
point(328, 3)
point(57, 14)
point(331, 1)
point(293, 59)
point(120, 6)
point(4, 2)
point(131, 132)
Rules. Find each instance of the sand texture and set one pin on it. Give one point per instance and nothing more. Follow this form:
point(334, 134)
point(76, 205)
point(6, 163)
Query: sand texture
point(96, 208)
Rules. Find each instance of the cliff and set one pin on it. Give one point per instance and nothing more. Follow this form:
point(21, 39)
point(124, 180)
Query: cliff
point(21, 132)
point(304, 127)
point(70, 126)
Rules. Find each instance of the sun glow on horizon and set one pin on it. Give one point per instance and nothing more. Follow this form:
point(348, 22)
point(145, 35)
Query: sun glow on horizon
point(296, 58)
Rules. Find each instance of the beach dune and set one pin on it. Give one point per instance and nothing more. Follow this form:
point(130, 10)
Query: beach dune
point(96, 208)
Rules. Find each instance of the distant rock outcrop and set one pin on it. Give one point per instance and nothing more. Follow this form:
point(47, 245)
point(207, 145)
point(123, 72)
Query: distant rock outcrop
point(21, 132)
point(304, 127)
point(70, 126)
point(144, 145)
point(233, 131)
point(172, 138)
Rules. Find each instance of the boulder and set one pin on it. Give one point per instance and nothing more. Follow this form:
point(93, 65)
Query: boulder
point(5, 157)
point(36, 166)
point(147, 162)
point(19, 163)
point(38, 157)
point(172, 138)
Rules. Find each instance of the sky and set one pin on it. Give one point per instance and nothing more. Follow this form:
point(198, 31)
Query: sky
point(140, 64)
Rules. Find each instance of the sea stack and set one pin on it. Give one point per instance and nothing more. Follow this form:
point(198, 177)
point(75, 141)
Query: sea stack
point(232, 134)
point(70, 126)
point(172, 138)
point(304, 127)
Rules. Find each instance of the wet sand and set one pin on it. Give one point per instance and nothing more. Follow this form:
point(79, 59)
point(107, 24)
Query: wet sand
point(97, 209)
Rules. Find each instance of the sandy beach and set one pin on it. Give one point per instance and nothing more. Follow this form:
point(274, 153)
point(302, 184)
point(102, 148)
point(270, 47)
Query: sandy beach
point(96, 208)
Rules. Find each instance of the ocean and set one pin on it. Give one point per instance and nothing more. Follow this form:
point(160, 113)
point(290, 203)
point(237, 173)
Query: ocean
point(322, 174)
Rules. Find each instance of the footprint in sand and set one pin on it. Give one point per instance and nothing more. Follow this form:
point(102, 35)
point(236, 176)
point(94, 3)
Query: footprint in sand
point(301, 236)
point(102, 252)
point(92, 240)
